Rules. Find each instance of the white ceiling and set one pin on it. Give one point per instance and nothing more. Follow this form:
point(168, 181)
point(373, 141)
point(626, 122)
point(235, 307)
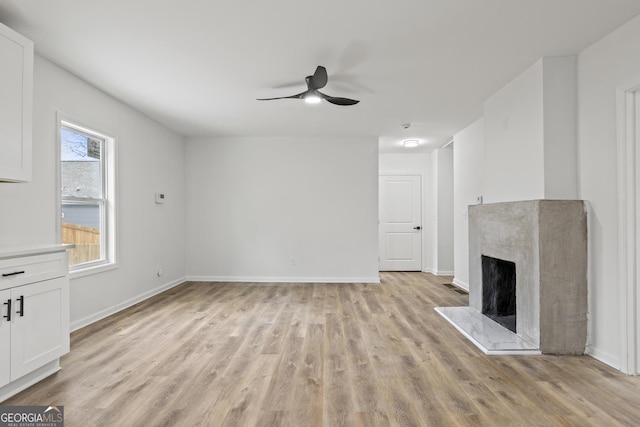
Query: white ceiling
point(198, 65)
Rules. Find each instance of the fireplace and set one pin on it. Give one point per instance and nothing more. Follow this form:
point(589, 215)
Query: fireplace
point(499, 291)
point(545, 243)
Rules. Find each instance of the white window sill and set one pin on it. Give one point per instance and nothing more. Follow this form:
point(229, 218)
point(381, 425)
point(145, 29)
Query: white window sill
point(89, 271)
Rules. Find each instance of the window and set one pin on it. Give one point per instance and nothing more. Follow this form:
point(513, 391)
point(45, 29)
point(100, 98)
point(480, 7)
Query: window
point(87, 196)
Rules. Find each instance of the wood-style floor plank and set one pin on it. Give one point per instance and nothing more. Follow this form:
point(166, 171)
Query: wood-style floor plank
point(247, 354)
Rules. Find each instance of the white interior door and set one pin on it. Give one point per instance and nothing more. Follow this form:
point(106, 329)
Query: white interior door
point(400, 229)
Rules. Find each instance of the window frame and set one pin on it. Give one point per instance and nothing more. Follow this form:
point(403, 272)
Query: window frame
point(107, 199)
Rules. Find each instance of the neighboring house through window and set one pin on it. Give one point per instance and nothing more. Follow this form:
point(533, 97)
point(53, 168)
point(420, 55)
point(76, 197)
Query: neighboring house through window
point(87, 196)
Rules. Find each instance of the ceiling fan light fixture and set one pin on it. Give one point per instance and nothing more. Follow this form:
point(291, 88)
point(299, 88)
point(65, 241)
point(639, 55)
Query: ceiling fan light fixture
point(312, 99)
point(312, 95)
point(411, 143)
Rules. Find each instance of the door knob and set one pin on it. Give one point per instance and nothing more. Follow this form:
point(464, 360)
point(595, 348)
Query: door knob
point(417, 228)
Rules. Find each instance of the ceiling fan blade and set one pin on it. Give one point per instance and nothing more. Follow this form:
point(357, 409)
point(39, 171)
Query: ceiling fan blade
point(319, 78)
point(288, 85)
point(297, 96)
point(338, 101)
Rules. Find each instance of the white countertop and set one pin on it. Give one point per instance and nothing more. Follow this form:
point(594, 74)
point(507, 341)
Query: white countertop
point(7, 252)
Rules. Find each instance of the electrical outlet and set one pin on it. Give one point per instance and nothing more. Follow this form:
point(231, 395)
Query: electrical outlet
point(159, 271)
point(292, 261)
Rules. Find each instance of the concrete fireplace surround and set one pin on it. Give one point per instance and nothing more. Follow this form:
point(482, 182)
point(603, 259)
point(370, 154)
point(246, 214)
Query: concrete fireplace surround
point(547, 240)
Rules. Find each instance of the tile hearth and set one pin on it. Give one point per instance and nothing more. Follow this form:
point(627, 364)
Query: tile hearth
point(488, 335)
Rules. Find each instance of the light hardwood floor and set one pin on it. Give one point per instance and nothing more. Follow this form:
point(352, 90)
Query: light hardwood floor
point(228, 354)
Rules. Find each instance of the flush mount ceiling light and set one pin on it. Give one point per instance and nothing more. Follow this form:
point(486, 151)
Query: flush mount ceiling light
point(411, 143)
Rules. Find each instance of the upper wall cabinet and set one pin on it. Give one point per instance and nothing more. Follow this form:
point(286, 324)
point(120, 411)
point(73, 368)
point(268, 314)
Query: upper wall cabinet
point(16, 103)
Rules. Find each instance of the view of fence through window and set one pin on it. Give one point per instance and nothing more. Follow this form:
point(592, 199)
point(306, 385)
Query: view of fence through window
point(82, 191)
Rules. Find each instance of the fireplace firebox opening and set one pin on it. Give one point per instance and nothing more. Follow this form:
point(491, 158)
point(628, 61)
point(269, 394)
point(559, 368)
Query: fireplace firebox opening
point(499, 291)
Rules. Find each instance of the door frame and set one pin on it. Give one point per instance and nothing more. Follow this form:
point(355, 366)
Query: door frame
point(628, 109)
point(426, 227)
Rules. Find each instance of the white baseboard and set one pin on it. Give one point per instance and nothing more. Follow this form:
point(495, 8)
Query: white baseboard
point(245, 279)
point(604, 356)
point(81, 323)
point(438, 273)
point(461, 284)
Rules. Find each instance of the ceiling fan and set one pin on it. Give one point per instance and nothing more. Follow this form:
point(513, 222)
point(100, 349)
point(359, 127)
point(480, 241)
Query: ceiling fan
point(312, 95)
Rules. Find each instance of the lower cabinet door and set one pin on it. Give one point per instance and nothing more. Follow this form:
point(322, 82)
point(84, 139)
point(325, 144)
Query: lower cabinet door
point(5, 337)
point(38, 332)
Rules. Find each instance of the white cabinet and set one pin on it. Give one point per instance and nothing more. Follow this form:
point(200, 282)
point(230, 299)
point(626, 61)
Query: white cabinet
point(16, 104)
point(34, 327)
point(40, 331)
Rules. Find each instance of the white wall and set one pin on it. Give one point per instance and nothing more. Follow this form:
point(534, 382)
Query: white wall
point(149, 159)
point(530, 135)
point(560, 127)
point(602, 68)
point(254, 204)
point(442, 199)
point(514, 154)
point(468, 163)
point(415, 164)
